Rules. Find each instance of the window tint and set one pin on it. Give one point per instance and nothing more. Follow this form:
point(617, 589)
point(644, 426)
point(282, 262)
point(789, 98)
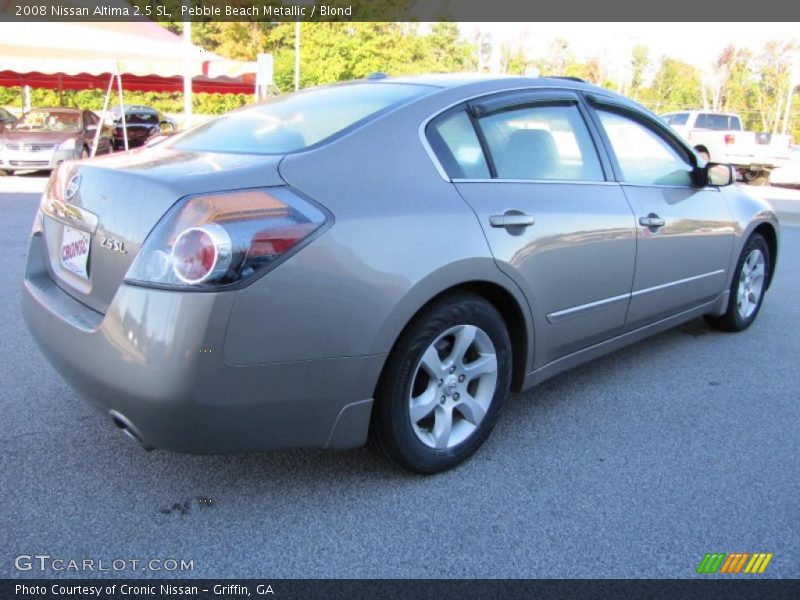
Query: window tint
point(643, 155)
point(296, 121)
point(713, 121)
point(456, 145)
point(542, 142)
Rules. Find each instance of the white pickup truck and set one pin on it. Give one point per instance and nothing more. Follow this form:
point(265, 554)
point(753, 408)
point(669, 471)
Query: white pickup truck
point(720, 137)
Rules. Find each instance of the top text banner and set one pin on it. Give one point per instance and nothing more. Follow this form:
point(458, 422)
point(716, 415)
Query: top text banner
point(711, 11)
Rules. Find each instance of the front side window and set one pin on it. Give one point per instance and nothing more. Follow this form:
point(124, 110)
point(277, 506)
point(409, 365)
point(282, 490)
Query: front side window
point(456, 144)
point(643, 155)
point(296, 121)
point(541, 142)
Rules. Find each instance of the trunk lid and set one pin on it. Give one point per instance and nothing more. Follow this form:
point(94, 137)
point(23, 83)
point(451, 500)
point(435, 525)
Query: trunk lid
point(118, 201)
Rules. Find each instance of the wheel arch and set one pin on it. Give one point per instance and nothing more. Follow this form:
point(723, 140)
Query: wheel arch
point(767, 231)
point(514, 318)
point(499, 291)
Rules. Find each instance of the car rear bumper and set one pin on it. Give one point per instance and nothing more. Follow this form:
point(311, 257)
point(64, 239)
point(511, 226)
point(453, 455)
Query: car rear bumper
point(153, 363)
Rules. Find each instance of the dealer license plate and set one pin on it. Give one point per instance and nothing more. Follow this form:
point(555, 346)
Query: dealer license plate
point(75, 246)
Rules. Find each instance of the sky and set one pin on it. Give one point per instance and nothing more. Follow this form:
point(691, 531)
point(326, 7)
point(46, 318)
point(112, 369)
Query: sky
point(696, 43)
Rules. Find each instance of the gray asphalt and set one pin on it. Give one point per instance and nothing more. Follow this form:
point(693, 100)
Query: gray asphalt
point(635, 465)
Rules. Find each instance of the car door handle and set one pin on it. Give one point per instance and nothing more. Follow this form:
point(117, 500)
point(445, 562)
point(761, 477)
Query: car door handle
point(511, 219)
point(652, 221)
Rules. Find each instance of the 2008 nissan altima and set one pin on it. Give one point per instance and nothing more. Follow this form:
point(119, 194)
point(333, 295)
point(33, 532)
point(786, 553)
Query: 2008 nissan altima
point(386, 258)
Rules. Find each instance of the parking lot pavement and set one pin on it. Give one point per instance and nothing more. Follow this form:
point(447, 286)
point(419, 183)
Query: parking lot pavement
point(635, 465)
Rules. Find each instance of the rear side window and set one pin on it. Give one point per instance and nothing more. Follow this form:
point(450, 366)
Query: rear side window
point(456, 144)
point(542, 143)
point(297, 121)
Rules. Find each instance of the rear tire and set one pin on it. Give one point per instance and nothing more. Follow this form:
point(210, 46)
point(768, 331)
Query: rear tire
point(443, 385)
point(747, 288)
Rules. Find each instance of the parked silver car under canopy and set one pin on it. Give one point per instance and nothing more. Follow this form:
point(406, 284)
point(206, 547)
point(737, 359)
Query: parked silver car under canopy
point(386, 258)
point(43, 138)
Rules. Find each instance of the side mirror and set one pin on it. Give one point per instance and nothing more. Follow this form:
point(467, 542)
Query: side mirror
point(718, 174)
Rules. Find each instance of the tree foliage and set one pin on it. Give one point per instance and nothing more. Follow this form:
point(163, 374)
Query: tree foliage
point(752, 83)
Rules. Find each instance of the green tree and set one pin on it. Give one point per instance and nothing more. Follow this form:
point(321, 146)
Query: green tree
point(639, 64)
point(676, 85)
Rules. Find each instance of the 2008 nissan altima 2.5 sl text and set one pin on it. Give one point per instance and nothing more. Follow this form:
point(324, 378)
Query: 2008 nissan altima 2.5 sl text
point(381, 259)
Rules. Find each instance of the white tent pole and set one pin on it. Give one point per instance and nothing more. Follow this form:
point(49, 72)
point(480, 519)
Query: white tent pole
point(102, 116)
point(122, 109)
point(187, 75)
point(26, 98)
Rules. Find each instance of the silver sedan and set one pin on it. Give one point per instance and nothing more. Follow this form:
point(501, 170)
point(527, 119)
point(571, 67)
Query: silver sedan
point(43, 138)
point(382, 259)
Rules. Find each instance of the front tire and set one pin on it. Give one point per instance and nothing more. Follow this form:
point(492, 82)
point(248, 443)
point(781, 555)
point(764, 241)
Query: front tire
point(756, 177)
point(444, 384)
point(747, 288)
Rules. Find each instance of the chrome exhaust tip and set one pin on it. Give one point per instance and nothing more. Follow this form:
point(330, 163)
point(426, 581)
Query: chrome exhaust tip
point(122, 423)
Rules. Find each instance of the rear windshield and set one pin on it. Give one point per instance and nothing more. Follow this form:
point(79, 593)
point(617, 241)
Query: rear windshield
point(716, 122)
point(140, 118)
point(297, 121)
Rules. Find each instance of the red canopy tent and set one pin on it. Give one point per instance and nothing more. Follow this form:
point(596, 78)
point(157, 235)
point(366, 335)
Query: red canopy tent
point(139, 55)
point(83, 55)
point(245, 84)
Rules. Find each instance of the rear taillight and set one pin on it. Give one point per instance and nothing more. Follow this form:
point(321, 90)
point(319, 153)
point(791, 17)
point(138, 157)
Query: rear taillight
point(729, 139)
point(221, 239)
point(201, 253)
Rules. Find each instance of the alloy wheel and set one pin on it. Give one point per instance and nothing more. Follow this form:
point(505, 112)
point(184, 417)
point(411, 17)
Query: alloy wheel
point(751, 283)
point(454, 383)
